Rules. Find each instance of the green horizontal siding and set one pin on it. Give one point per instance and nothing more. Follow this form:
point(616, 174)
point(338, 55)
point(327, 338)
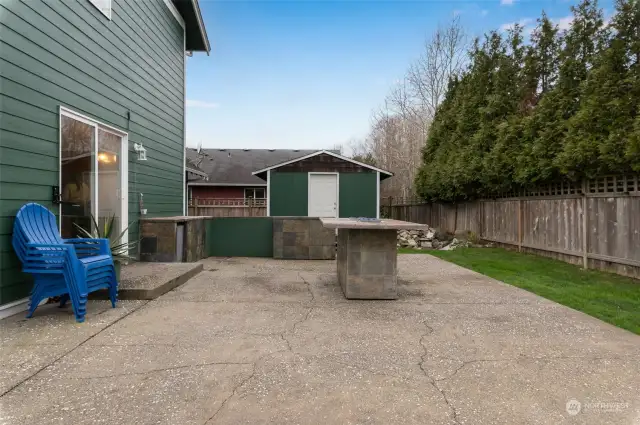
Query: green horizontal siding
point(288, 194)
point(239, 237)
point(358, 197)
point(57, 53)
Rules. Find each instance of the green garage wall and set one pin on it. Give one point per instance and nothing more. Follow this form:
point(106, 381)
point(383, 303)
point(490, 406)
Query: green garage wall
point(288, 194)
point(240, 237)
point(358, 196)
point(66, 53)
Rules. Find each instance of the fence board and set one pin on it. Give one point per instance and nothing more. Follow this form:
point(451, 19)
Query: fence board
point(227, 211)
point(551, 225)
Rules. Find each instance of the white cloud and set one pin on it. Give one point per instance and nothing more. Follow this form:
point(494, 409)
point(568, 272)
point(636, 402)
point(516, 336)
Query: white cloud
point(507, 2)
point(201, 104)
point(563, 23)
point(484, 12)
point(524, 22)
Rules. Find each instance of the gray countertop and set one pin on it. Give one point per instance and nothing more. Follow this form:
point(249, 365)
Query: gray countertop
point(382, 224)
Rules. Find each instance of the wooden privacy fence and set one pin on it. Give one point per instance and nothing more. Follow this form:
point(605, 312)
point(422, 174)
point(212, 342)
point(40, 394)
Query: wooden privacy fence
point(595, 225)
point(228, 207)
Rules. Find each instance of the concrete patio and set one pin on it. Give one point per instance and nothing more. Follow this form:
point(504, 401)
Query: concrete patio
point(256, 341)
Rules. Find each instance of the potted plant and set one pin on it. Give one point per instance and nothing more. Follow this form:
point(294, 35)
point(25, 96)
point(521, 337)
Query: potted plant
point(119, 250)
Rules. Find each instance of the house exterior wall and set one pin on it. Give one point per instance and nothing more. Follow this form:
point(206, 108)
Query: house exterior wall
point(67, 53)
point(288, 194)
point(357, 194)
point(358, 197)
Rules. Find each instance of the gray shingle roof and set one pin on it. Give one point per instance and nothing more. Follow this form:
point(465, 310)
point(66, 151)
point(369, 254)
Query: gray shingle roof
point(234, 166)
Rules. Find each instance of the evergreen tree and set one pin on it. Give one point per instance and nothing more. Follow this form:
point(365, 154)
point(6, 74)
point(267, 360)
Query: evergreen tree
point(548, 125)
point(632, 40)
point(598, 135)
point(541, 68)
point(505, 106)
point(563, 106)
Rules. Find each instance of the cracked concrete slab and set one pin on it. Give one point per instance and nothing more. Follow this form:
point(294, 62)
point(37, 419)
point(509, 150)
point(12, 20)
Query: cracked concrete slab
point(536, 391)
point(388, 336)
point(274, 341)
point(29, 345)
point(465, 332)
point(53, 325)
point(193, 323)
point(225, 285)
point(289, 388)
point(187, 395)
point(19, 362)
point(92, 360)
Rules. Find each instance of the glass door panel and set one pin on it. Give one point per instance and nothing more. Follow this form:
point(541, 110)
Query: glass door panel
point(77, 165)
point(109, 182)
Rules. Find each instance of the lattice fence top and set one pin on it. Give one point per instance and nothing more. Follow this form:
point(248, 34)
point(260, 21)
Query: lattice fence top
point(601, 186)
point(623, 185)
point(614, 184)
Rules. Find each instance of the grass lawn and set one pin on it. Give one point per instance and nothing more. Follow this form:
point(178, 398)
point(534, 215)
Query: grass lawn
point(612, 298)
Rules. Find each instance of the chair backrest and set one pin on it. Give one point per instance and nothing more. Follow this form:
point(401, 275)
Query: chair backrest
point(35, 224)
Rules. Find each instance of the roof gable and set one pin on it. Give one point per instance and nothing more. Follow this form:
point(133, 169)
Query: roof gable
point(383, 173)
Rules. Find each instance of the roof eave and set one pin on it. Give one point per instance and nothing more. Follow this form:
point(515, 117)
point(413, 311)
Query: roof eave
point(196, 33)
point(362, 164)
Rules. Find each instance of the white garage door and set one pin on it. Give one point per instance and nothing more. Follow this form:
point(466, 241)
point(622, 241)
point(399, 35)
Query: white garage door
point(323, 195)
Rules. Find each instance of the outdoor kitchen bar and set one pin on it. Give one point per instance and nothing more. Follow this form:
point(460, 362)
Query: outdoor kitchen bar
point(367, 256)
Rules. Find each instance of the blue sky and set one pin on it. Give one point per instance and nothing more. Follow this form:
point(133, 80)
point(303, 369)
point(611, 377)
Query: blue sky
point(307, 74)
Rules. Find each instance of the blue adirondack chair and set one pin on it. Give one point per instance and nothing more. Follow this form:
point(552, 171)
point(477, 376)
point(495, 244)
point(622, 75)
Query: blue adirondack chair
point(69, 268)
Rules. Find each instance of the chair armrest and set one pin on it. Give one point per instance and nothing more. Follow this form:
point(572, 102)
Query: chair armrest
point(47, 254)
point(87, 247)
point(47, 245)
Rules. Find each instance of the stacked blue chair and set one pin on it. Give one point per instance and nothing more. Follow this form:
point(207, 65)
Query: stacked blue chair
point(69, 268)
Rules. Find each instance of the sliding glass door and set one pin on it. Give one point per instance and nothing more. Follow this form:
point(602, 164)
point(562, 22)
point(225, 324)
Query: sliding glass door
point(93, 176)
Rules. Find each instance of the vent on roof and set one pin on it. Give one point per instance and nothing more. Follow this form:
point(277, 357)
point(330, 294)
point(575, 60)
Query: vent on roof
point(221, 150)
point(246, 150)
point(271, 150)
point(296, 150)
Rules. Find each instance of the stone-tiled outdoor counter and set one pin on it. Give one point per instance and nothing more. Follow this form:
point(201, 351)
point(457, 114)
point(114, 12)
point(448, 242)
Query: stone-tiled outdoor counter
point(367, 256)
point(173, 239)
point(302, 238)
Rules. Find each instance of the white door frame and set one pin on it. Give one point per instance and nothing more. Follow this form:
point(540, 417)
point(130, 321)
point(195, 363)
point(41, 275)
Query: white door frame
point(124, 166)
point(337, 190)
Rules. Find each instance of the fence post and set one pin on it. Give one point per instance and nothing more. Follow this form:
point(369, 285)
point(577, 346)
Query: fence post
point(455, 219)
point(585, 244)
point(519, 225)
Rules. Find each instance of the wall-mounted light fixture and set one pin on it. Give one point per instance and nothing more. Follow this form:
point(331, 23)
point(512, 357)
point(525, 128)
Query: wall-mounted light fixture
point(142, 152)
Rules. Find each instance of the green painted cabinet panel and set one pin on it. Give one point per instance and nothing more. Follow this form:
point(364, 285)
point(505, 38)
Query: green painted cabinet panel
point(288, 194)
point(127, 72)
point(239, 237)
point(358, 197)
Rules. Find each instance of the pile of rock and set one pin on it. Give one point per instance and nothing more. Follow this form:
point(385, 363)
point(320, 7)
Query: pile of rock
point(429, 239)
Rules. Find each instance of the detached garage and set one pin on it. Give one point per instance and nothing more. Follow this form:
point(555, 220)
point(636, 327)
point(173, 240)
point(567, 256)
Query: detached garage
point(323, 184)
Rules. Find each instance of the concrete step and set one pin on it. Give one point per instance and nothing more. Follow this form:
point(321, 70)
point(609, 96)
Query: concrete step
point(147, 281)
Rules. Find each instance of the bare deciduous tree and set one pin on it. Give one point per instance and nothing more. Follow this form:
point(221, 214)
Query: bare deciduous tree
point(399, 127)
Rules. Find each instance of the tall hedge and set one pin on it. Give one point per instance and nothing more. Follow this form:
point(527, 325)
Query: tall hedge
point(564, 105)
